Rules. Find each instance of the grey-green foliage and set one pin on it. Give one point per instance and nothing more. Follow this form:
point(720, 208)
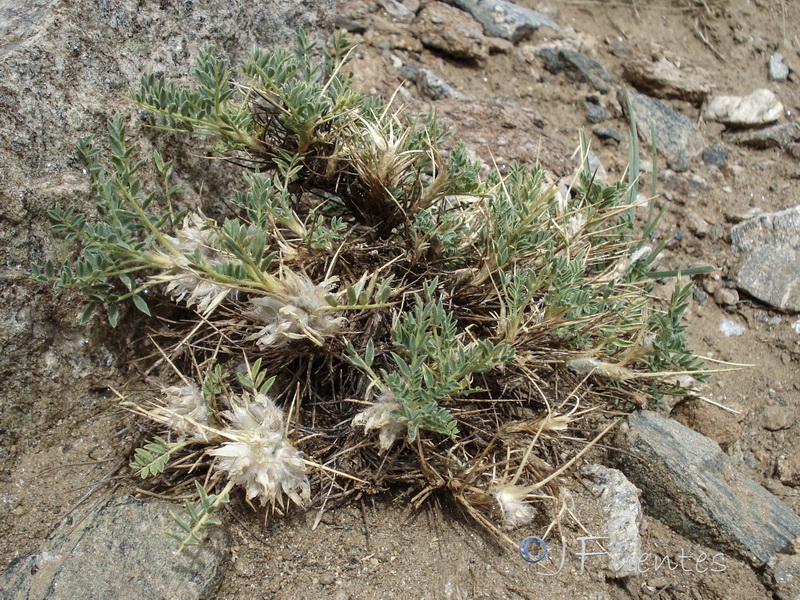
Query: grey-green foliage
point(342, 186)
point(432, 363)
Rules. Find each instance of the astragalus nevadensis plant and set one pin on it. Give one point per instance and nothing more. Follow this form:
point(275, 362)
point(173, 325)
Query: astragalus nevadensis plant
point(411, 321)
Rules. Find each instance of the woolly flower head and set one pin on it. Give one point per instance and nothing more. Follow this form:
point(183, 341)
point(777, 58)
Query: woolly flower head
point(184, 411)
point(259, 458)
point(194, 238)
point(516, 512)
point(381, 416)
point(295, 312)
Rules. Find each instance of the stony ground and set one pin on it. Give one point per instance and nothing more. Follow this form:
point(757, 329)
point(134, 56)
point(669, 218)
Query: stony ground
point(379, 549)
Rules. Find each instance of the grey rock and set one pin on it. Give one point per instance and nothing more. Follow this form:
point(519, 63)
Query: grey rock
point(769, 268)
point(757, 108)
point(65, 68)
point(397, 11)
point(434, 87)
point(676, 136)
point(595, 113)
point(783, 573)
point(118, 551)
point(692, 486)
point(716, 155)
point(577, 66)
point(607, 134)
point(778, 69)
point(504, 19)
point(782, 135)
point(349, 25)
point(623, 518)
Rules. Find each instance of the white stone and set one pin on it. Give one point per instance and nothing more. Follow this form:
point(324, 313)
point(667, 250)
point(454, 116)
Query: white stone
point(730, 328)
point(761, 106)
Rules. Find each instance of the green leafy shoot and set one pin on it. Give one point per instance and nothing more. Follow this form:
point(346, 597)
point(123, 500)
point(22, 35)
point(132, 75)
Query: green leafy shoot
point(152, 458)
point(199, 517)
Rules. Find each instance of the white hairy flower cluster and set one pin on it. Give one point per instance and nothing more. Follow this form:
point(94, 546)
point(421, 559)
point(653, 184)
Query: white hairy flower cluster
point(380, 416)
point(183, 283)
point(185, 411)
point(515, 511)
point(258, 456)
point(298, 311)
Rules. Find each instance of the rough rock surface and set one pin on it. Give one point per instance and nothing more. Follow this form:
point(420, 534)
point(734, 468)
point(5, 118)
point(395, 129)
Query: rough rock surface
point(452, 32)
point(783, 572)
point(620, 500)
point(782, 135)
point(663, 79)
point(769, 268)
point(505, 19)
point(65, 68)
point(689, 484)
point(118, 551)
point(676, 136)
point(578, 66)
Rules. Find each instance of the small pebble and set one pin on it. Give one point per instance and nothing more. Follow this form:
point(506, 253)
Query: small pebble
point(775, 418)
point(716, 155)
point(608, 134)
point(726, 296)
point(327, 578)
point(778, 70)
point(595, 113)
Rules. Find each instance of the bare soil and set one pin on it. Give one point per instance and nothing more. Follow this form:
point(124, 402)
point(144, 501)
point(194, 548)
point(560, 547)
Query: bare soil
point(377, 547)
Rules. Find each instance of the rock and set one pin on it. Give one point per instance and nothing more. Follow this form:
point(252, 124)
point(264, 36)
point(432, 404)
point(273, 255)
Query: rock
point(688, 185)
point(434, 87)
point(676, 136)
point(608, 135)
point(716, 155)
point(689, 484)
point(783, 135)
point(696, 224)
point(397, 11)
point(778, 69)
point(502, 132)
point(760, 107)
point(577, 66)
point(731, 328)
point(66, 68)
point(775, 418)
point(720, 425)
point(783, 574)
point(623, 517)
point(595, 113)
point(349, 25)
point(506, 20)
point(726, 297)
point(118, 551)
point(388, 35)
point(788, 468)
point(769, 268)
point(663, 79)
point(452, 32)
